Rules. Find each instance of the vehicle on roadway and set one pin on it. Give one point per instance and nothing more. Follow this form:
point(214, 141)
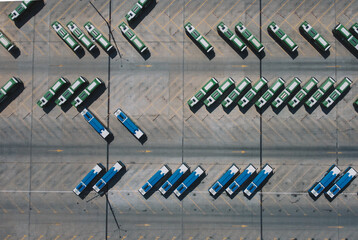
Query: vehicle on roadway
point(128, 123)
point(80, 36)
point(306, 89)
point(70, 91)
point(98, 36)
point(86, 92)
point(320, 92)
point(224, 180)
point(137, 9)
point(346, 178)
point(258, 180)
point(6, 42)
point(20, 9)
point(241, 179)
point(343, 33)
point(326, 180)
point(108, 176)
point(342, 86)
point(193, 177)
point(251, 39)
point(9, 87)
point(270, 92)
point(65, 36)
point(291, 87)
point(234, 95)
point(155, 179)
point(93, 121)
point(201, 94)
point(354, 30)
point(282, 37)
point(189, 28)
point(175, 178)
point(314, 36)
point(132, 38)
point(89, 178)
point(56, 87)
point(252, 92)
point(227, 34)
point(219, 92)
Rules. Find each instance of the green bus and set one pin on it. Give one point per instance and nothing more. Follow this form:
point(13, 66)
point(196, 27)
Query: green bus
point(6, 42)
point(291, 87)
point(80, 36)
point(234, 95)
point(133, 38)
point(342, 86)
point(201, 94)
point(270, 92)
point(321, 91)
point(354, 30)
point(346, 36)
point(9, 87)
point(98, 36)
point(56, 87)
point(70, 91)
point(314, 36)
point(252, 92)
point(137, 9)
point(189, 28)
point(251, 39)
point(20, 9)
point(306, 89)
point(86, 92)
point(219, 92)
point(282, 37)
point(227, 34)
point(65, 36)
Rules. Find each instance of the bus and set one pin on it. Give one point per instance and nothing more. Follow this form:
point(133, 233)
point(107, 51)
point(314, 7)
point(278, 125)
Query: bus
point(93, 121)
point(346, 178)
point(132, 38)
point(56, 87)
point(252, 92)
point(313, 35)
point(108, 176)
point(201, 94)
point(343, 33)
point(270, 92)
point(234, 95)
point(80, 36)
point(155, 179)
point(193, 177)
point(89, 178)
point(86, 92)
point(219, 92)
point(284, 95)
point(71, 90)
point(306, 89)
point(265, 172)
point(9, 87)
point(65, 36)
point(175, 178)
point(224, 180)
point(241, 179)
point(282, 37)
point(228, 35)
point(6, 42)
point(320, 92)
point(251, 39)
point(326, 180)
point(20, 9)
point(128, 123)
point(205, 45)
point(342, 86)
point(354, 30)
point(98, 36)
point(137, 9)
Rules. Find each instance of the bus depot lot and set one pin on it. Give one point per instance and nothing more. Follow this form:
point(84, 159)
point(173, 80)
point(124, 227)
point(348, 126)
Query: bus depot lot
point(44, 155)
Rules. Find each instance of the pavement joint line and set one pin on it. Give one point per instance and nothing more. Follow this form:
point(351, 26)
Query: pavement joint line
point(161, 203)
point(223, 198)
point(14, 203)
point(58, 2)
point(350, 209)
point(162, 12)
point(337, 16)
point(308, 198)
point(145, 203)
point(272, 15)
point(99, 10)
point(217, 22)
point(273, 129)
point(216, 48)
point(260, 13)
point(220, 213)
point(309, 12)
point(204, 19)
point(297, 205)
point(31, 205)
point(197, 206)
point(5, 8)
point(307, 130)
point(120, 5)
point(188, 125)
point(244, 132)
point(322, 15)
point(68, 8)
point(287, 213)
point(236, 19)
point(247, 206)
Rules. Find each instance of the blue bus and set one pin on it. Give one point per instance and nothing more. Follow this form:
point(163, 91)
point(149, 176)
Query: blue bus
point(154, 180)
point(128, 123)
point(189, 181)
point(241, 179)
point(175, 178)
point(90, 118)
point(88, 179)
point(223, 180)
point(348, 175)
point(108, 176)
point(327, 179)
point(258, 180)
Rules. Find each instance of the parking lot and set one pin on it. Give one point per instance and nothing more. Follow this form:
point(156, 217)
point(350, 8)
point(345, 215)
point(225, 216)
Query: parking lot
point(44, 154)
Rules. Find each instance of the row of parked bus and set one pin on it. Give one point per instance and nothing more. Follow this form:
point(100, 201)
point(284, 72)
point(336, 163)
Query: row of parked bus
point(276, 94)
point(333, 182)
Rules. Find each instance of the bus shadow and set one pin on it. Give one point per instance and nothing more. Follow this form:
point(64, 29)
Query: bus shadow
point(113, 181)
point(15, 52)
point(51, 104)
point(212, 107)
point(210, 55)
point(67, 105)
point(283, 105)
point(355, 107)
point(310, 110)
point(243, 186)
point(268, 103)
point(261, 186)
point(324, 54)
point(346, 45)
point(95, 52)
point(89, 187)
point(136, 21)
point(29, 13)
point(228, 109)
point(200, 103)
point(329, 109)
point(253, 101)
point(293, 55)
point(12, 96)
point(193, 186)
point(157, 185)
point(80, 52)
point(243, 54)
point(143, 138)
point(93, 97)
point(293, 110)
point(171, 190)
